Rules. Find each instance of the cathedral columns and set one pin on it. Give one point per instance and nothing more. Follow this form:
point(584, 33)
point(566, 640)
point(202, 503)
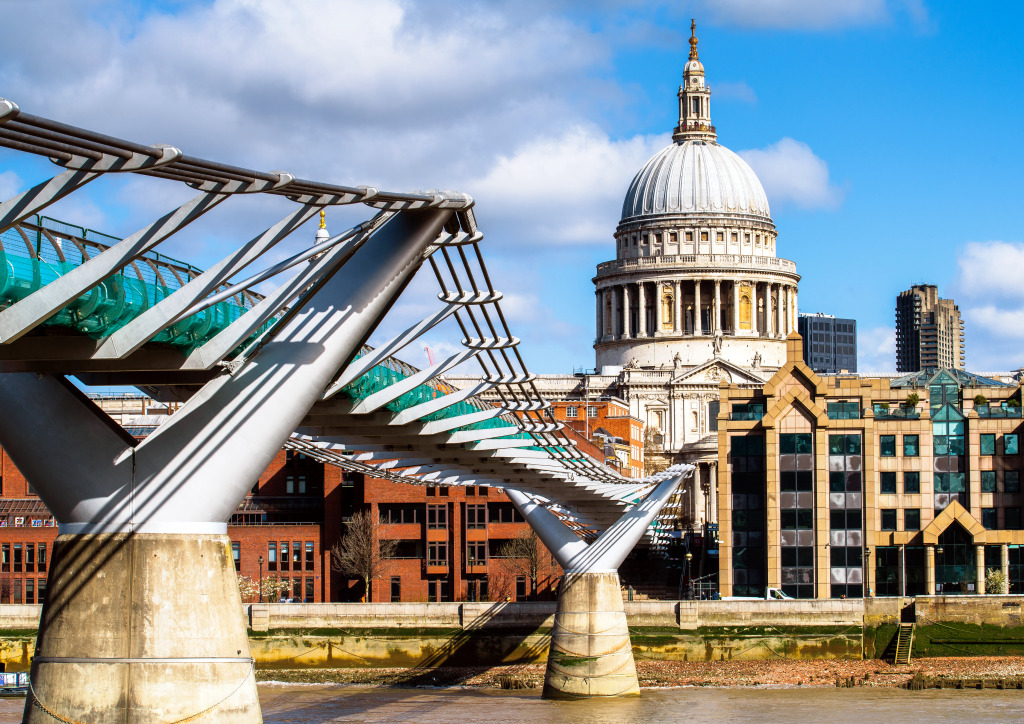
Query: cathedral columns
point(716, 317)
point(599, 324)
point(697, 321)
point(753, 309)
point(677, 301)
point(780, 313)
point(641, 303)
point(625, 312)
point(657, 305)
point(735, 308)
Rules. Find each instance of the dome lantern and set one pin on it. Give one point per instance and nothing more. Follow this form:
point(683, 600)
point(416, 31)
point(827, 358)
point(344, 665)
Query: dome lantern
point(694, 99)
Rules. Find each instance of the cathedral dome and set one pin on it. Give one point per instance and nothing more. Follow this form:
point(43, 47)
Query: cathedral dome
point(695, 176)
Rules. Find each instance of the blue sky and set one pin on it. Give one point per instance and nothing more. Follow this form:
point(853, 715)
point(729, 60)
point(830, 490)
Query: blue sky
point(887, 133)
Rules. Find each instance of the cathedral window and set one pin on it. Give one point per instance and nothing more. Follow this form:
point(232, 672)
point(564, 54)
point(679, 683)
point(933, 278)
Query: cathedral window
point(689, 236)
point(703, 236)
point(720, 236)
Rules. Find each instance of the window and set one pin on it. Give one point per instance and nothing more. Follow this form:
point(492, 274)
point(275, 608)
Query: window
point(503, 513)
point(703, 236)
point(1011, 481)
point(476, 552)
point(30, 558)
point(719, 236)
point(5, 560)
point(236, 554)
point(272, 556)
point(572, 411)
point(911, 446)
point(988, 481)
point(476, 516)
point(296, 556)
point(400, 513)
point(520, 588)
point(437, 517)
point(42, 560)
point(988, 518)
point(30, 592)
point(987, 444)
point(309, 555)
point(887, 446)
point(591, 412)
point(297, 590)
point(309, 591)
point(1010, 444)
point(889, 519)
point(843, 410)
point(284, 555)
point(437, 553)
point(289, 485)
point(1011, 516)
point(911, 519)
point(887, 482)
point(41, 588)
point(912, 482)
point(396, 589)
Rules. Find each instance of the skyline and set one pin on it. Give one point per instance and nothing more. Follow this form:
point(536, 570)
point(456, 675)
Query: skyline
point(882, 132)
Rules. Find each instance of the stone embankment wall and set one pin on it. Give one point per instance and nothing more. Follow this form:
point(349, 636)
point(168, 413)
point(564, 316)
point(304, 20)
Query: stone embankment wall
point(474, 634)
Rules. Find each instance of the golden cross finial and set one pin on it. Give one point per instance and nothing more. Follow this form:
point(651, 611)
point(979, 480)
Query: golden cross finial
point(693, 39)
point(323, 221)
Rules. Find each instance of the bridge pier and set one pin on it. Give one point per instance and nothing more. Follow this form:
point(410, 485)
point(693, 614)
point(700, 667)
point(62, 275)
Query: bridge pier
point(591, 653)
point(142, 627)
point(143, 619)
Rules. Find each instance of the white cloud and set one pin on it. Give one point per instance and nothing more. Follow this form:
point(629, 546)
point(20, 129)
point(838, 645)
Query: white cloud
point(876, 350)
point(566, 188)
point(812, 14)
point(991, 268)
point(792, 174)
point(991, 298)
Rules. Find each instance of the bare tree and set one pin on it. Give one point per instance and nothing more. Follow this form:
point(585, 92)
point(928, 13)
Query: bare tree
point(359, 553)
point(525, 556)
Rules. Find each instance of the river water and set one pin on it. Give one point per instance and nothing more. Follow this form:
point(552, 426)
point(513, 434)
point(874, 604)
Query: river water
point(332, 703)
point(298, 704)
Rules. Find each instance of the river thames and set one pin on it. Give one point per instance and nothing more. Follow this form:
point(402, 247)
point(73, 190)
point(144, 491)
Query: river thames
point(334, 703)
point(300, 704)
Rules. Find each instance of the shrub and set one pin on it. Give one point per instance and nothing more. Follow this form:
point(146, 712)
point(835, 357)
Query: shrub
point(995, 581)
point(912, 399)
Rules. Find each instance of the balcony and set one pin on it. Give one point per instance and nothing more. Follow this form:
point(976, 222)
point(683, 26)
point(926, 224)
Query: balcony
point(896, 413)
point(1003, 411)
point(693, 262)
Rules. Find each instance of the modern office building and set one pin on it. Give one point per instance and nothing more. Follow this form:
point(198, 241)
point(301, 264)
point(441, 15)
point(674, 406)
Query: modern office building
point(830, 344)
point(846, 486)
point(929, 331)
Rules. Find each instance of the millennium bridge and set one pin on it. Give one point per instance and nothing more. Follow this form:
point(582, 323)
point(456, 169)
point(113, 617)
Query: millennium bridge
point(143, 621)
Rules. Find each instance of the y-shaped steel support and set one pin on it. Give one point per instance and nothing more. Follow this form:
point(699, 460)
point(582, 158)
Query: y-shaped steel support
point(591, 653)
point(143, 621)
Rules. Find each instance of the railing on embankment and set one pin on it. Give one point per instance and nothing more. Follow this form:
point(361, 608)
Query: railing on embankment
point(294, 635)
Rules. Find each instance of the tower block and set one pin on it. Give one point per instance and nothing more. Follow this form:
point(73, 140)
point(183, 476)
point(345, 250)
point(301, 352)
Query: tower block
point(143, 620)
point(591, 653)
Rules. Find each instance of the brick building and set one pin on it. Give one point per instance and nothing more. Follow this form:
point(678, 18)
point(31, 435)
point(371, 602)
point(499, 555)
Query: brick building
point(608, 424)
point(450, 539)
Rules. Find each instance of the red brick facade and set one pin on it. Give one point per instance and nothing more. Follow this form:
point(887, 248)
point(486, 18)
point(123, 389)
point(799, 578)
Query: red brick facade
point(295, 514)
point(589, 417)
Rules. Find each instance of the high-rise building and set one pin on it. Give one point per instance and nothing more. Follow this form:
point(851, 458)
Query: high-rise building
point(929, 331)
point(830, 344)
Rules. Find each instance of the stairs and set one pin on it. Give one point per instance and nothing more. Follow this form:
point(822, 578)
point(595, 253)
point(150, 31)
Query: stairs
point(904, 643)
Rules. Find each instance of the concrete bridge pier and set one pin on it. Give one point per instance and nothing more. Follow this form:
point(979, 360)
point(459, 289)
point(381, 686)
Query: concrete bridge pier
point(143, 620)
point(591, 653)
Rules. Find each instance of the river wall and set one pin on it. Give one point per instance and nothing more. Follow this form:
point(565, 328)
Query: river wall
point(292, 635)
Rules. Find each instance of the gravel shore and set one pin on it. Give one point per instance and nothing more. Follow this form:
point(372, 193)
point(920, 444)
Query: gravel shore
point(775, 673)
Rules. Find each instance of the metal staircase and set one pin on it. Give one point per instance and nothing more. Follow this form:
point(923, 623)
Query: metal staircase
point(904, 643)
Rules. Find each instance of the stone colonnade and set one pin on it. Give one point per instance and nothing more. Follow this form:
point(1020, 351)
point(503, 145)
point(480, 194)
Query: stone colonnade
point(696, 307)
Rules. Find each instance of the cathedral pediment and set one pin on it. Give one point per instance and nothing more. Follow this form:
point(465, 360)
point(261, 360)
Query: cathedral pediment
point(715, 371)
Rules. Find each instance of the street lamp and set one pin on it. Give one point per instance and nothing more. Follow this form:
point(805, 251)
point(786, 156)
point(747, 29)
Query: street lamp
point(867, 570)
point(689, 577)
point(261, 578)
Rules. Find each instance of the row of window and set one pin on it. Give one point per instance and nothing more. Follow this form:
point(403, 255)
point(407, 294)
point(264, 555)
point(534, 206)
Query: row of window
point(912, 519)
point(22, 590)
point(477, 515)
point(945, 482)
point(282, 556)
point(439, 589)
point(23, 558)
point(574, 411)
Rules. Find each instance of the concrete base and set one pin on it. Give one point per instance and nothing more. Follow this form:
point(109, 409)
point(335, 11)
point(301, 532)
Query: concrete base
point(142, 628)
point(591, 654)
